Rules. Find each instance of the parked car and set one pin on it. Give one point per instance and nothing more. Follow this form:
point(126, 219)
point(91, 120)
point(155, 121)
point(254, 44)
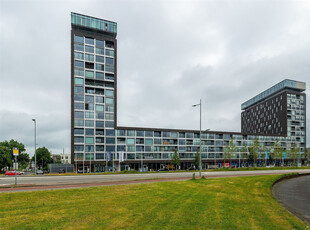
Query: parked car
point(191, 168)
point(39, 171)
point(11, 173)
point(162, 169)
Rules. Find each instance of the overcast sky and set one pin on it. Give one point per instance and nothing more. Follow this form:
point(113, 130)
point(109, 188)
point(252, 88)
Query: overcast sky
point(170, 54)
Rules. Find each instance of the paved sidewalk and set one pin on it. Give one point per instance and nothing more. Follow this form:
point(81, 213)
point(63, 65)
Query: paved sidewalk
point(294, 195)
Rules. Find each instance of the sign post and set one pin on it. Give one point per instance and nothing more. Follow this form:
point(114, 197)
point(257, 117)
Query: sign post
point(15, 153)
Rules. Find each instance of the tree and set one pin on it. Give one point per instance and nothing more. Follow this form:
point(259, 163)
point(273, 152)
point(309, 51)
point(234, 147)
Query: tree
point(293, 153)
point(57, 160)
point(23, 158)
point(175, 159)
point(277, 150)
point(229, 150)
point(244, 152)
point(197, 160)
point(307, 155)
point(43, 157)
point(5, 158)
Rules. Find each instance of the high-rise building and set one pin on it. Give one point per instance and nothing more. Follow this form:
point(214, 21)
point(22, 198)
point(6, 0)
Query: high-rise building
point(276, 115)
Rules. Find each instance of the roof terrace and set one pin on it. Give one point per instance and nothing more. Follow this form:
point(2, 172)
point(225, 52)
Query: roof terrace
point(93, 23)
point(291, 84)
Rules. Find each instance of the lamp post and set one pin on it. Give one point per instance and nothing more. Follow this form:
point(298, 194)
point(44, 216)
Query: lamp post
point(35, 146)
point(199, 137)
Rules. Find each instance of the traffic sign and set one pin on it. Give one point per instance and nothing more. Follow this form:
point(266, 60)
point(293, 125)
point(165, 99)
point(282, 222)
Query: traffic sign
point(15, 151)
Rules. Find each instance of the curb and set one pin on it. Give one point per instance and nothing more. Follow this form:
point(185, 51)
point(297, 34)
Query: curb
point(287, 177)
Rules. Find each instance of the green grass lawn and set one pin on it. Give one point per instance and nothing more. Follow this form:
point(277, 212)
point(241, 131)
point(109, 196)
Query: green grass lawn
point(221, 203)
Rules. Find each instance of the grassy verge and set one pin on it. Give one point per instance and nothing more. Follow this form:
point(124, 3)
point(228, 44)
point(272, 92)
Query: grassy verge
point(221, 203)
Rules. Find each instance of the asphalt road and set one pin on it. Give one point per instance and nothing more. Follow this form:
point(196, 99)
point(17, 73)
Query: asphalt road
point(294, 195)
point(84, 179)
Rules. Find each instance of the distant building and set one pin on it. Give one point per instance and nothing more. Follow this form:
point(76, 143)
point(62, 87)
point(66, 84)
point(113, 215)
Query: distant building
point(65, 158)
point(55, 157)
point(276, 115)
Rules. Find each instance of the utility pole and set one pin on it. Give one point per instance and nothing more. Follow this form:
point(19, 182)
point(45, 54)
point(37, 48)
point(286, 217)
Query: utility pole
point(35, 146)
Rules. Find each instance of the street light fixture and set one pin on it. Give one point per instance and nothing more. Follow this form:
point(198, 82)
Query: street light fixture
point(35, 146)
point(199, 137)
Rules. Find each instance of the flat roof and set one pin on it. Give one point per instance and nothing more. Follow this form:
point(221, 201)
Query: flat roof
point(291, 84)
point(93, 23)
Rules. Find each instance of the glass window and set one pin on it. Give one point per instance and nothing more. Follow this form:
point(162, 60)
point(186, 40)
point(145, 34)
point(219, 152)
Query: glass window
point(109, 108)
point(78, 90)
point(78, 147)
point(110, 132)
point(100, 132)
point(121, 148)
point(89, 57)
point(109, 124)
point(109, 61)
point(120, 132)
point(100, 148)
point(109, 101)
point(78, 139)
point(89, 49)
point(89, 74)
point(149, 133)
point(78, 72)
point(89, 123)
point(99, 140)
point(130, 148)
point(79, 64)
point(99, 115)
point(189, 135)
point(78, 47)
point(109, 93)
point(78, 114)
point(99, 123)
point(89, 131)
point(99, 75)
point(78, 105)
point(78, 131)
point(89, 148)
point(78, 55)
point(174, 135)
point(99, 43)
point(99, 99)
point(78, 122)
point(78, 97)
point(89, 99)
point(89, 115)
point(100, 108)
point(109, 52)
point(89, 140)
point(89, 106)
point(89, 41)
point(157, 141)
point(130, 133)
point(140, 133)
point(109, 116)
point(130, 141)
point(78, 81)
point(110, 148)
point(110, 140)
point(109, 76)
point(100, 51)
point(148, 141)
point(99, 67)
point(78, 39)
point(99, 59)
point(166, 134)
point(109, 68)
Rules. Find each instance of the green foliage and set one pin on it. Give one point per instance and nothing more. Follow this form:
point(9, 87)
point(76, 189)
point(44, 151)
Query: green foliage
point(5, 157)
point(217, 203)
point(277, 150)
point(197, 160)
point(6, 160)
point(175, 159)
point(229, 150)
point(294, 152)
point(307, 154)
point(57, 160)
point(43, 157)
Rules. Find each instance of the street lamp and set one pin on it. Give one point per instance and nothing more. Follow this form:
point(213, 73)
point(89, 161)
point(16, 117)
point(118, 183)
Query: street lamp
point(200, 138)
point(35, 146)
